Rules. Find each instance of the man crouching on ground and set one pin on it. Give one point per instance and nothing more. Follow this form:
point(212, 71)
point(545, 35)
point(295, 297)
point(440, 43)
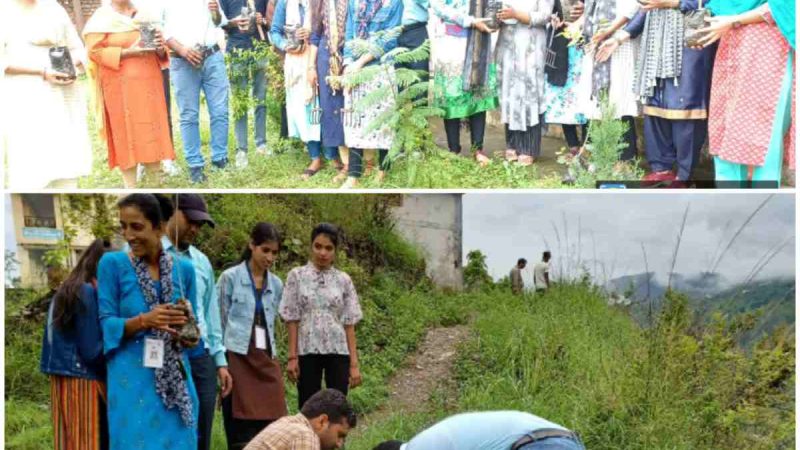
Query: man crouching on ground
point(322, 424)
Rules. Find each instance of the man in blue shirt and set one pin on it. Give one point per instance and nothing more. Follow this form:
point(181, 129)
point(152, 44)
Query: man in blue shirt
point(209, 363)
point(247, 72)
point(491, 430)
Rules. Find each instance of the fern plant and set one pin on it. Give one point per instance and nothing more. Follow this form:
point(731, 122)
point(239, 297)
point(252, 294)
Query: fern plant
point(598, 159)
point(408, 118)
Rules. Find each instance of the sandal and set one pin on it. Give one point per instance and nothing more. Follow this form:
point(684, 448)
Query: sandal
point(350, 183)
point(525, 160)
point(482, 159)
point(308, 173)
point(342, 175)
point(511, 155)
point(368, 167)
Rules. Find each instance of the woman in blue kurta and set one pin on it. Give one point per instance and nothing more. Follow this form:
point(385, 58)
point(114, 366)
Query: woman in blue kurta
point(674, 83)
point(327, 46)
point(148, 408)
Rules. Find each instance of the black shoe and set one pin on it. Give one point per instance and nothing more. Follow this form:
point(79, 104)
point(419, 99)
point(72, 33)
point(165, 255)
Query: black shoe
point(220, 164)
point(197, 175)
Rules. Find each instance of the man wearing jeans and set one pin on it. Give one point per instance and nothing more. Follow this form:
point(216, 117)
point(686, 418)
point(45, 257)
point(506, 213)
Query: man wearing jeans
point(197, 63)
point(247, 71)
point(491, 430)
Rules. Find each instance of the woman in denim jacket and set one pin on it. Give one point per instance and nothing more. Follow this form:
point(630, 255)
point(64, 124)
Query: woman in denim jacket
point(249, 295)
point(72, 354)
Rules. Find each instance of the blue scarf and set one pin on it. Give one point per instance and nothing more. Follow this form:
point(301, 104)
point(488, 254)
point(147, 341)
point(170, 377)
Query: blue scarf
point(170, 378)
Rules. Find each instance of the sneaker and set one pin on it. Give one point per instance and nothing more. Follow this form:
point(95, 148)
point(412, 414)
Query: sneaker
point(170, 168)
point(220, 164)
point(263, 150)
point(197, 175)
point(241, 159)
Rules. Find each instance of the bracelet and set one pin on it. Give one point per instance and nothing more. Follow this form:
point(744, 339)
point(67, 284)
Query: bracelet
point(291, 358)
point(141, 321)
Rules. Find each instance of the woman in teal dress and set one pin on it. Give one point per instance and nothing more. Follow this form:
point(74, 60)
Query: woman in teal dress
point(148, 408)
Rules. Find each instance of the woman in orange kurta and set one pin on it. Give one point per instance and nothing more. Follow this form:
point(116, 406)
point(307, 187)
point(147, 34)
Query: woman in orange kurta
point(129, 90)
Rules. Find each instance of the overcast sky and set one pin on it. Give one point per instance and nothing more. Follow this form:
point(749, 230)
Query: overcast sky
point(508, 226)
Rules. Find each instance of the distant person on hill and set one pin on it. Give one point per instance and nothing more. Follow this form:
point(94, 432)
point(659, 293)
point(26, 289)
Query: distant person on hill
point(491, 430)
point(323, 424)
point(541, 273)
point(516, 276)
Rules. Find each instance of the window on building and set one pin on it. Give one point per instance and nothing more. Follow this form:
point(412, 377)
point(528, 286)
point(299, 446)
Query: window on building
point(39, 210)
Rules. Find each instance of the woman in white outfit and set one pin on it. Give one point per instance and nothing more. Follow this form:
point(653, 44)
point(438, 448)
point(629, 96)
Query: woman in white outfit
point(45, 133)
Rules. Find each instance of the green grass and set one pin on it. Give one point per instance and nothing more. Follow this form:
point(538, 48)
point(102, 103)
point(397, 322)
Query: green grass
point(425, 170)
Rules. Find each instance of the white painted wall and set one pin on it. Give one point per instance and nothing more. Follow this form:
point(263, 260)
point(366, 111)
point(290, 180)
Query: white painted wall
point(433, 223)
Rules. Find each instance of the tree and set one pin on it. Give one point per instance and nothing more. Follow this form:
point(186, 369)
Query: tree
point(11, 267)
point(476, 275)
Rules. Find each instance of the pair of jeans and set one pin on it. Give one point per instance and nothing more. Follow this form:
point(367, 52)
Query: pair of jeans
point(554, 443)
point(315, 148)
point(212, 78)
point(244, 75)
point(204, 375)
point(336, 369)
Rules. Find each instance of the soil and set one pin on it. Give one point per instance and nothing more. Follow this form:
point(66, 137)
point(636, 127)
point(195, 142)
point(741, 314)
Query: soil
point(424, 372)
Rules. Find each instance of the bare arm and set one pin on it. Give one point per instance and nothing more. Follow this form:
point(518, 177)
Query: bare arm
point(355, 372)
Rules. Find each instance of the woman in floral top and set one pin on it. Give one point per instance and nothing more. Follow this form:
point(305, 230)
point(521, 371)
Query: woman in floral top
point(320, 307)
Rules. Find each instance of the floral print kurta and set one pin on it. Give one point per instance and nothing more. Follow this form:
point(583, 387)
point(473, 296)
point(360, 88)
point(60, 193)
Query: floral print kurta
point(519, 55)
point(324, 302)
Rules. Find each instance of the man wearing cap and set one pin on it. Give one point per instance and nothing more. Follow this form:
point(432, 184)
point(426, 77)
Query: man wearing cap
point(209, 362)
point(491, 430)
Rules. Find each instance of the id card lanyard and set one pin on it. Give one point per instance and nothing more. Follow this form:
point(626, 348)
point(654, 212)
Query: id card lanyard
point(260, 325)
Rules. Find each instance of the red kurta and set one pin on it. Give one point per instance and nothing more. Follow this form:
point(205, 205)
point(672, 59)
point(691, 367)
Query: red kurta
point(748, 73)
point(136, 123)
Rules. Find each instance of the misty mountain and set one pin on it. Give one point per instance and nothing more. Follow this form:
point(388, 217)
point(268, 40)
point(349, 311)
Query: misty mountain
point(772, 299)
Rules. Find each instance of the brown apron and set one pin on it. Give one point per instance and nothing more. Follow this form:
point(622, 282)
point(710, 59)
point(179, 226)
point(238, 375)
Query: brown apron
point(257, 384)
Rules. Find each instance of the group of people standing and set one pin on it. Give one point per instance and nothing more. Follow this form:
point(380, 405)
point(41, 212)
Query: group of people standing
point(552, 62)
point(541, 275)
point(126, 369)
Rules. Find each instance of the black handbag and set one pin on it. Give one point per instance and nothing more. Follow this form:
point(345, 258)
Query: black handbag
point(557, 54)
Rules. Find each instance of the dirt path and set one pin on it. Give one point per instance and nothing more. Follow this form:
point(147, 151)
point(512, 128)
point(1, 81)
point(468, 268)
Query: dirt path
point(425, 371)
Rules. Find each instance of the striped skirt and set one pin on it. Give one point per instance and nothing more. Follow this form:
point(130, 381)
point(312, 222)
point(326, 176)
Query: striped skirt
point(79, 414)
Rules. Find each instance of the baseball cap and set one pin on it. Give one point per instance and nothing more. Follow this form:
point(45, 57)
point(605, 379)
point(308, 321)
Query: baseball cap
point(194, 208)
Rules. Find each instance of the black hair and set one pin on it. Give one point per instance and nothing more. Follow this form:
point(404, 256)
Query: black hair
point(156, 208)
point(389, 445)
point(546, 255)
point(522, 261)
point(262, 232)
point(66, 302)
point(328, 229)
point(332, 403)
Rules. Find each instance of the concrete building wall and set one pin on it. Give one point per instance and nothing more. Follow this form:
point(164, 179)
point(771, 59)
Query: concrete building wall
point(432, 222)
point(40, 236)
